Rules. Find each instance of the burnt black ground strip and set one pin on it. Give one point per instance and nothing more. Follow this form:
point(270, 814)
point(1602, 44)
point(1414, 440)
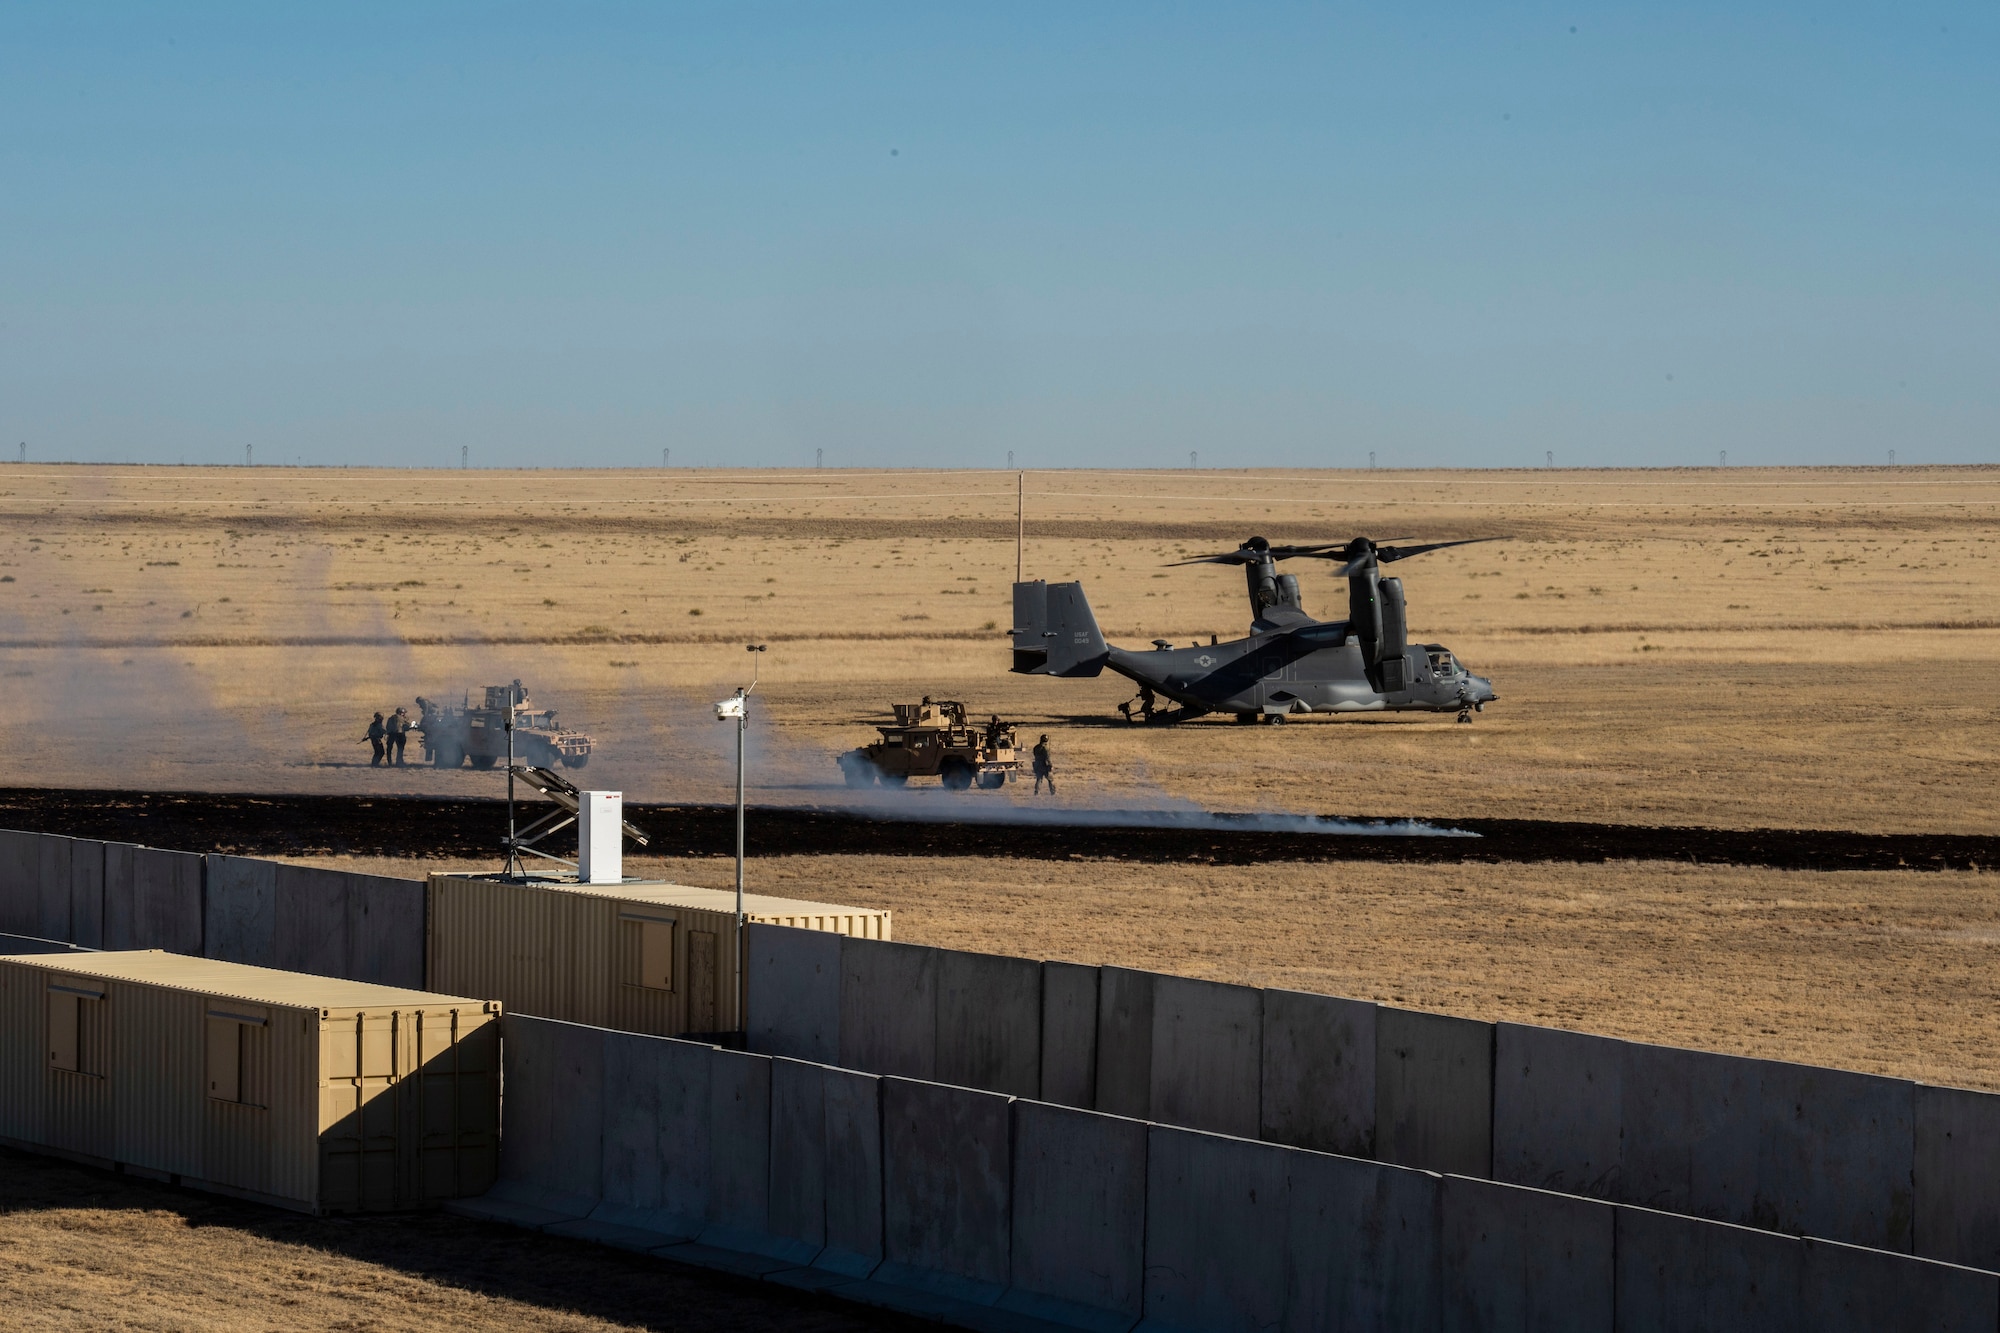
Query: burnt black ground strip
point(257, 825)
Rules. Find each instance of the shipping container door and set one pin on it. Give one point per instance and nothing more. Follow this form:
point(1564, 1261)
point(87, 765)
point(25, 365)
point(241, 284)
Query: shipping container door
point(358, 1114)
point(452, 1098)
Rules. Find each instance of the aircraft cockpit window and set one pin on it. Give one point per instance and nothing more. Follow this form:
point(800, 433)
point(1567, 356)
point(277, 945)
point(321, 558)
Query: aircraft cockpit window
point(1442, 664)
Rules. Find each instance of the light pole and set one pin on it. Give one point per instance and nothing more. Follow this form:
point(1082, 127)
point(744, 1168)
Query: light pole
point(733, 708)
point(515, 867)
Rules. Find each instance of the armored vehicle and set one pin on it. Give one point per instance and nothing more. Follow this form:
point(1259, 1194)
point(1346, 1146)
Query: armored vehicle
point(933, 739)
point(454, 733)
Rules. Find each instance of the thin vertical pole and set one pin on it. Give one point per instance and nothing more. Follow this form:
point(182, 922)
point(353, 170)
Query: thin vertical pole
point(513, 856)
point(741, 719)
point(1020, 520)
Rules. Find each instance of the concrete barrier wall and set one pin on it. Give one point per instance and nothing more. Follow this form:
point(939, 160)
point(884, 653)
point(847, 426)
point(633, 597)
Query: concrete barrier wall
point(655, 1105)
point(1762, 1143)
point(1785, 1147)
point(52, 915)
point(1434, 1091)
point(1318, 1073)
point(388, 920)
point(335, 924)
point(152, 899)
point(1077, 1248)
point(1361, 1245)
point(239, 917)
point(1676, 1273)
point(1069, 1034)
point(947, 1202)
point(989, 1023)
point(1124, 1084)
point(1527, 1259)
point(52, 887)
point(123, 896)
point(86, 893)
point(793, 982)
point(888, 1007)
point(1956, 1176)
point(1558, 1110)
point(1207, 1056)
point(1217, 1210)
point(947, 1172)
point(20, 889)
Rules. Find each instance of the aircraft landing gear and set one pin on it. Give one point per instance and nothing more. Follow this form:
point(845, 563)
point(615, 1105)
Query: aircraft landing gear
point(1464, 709)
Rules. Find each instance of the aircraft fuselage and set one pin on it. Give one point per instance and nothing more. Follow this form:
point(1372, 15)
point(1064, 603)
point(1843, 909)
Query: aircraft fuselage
point(1288, 672)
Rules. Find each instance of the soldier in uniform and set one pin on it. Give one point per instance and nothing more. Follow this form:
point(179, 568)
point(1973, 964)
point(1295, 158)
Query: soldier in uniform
point(1044, 770)
point(376, 732)
point(399, 736)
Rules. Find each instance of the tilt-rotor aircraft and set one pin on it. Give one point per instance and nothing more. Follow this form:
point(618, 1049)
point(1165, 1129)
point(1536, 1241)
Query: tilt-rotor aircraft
point(1289, 663)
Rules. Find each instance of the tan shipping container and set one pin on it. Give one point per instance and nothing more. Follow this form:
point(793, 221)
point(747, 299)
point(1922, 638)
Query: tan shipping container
point(656, 958)
point(308, 1092)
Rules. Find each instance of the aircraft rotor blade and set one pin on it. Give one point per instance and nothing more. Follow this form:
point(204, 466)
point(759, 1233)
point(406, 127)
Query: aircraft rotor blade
point(1226, 558)
point(1389, 553)
point(1344, 551)
point(1251, 555)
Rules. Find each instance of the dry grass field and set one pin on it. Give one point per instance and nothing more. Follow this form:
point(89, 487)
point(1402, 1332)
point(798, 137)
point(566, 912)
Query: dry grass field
point(1816, 648)
point(84, 1249)
point(1743, 648)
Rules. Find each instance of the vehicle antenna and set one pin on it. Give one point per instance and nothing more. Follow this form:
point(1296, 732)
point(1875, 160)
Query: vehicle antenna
point(1020, 519)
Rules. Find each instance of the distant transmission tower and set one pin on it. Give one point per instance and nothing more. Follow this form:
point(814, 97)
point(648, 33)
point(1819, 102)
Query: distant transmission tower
point(1371, 458)
point(819, 458)
point(464, 457)
point(665, 456)
point(1194, 461)
point(1725, 458)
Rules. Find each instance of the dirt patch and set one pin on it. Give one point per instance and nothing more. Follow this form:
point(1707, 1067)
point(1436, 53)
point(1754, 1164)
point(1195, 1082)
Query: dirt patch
point(250, 825)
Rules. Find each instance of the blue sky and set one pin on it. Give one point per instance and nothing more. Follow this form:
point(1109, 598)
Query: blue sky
point(1110, 234)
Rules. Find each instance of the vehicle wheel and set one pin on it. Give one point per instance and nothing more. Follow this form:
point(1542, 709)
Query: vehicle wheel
point(857, 770)
point(957, 776)
point(894, 779)
point(576, 761)
point(992, 781)
point(484, 760)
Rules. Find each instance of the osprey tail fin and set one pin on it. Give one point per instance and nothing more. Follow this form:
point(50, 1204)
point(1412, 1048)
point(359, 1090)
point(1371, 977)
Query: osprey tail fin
point(1055, 633)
